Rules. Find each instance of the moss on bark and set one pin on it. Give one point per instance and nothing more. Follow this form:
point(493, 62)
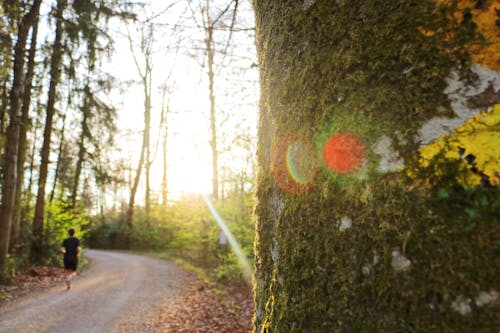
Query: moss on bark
point(367, 251)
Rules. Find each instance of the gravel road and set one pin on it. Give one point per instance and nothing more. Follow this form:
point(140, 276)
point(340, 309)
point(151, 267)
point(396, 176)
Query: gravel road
point(116, 293)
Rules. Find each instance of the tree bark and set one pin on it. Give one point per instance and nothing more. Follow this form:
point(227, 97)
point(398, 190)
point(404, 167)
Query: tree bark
point(3, 107)
point(32, 161)
point(135, 185)
point(59, 152)
point(213, 124)
point(346, 239)
point(81, 147)
point(164, 179)
point(22, 151)
point(55, 75)
point(9, 180)
point(145, 149)
point(147, 137)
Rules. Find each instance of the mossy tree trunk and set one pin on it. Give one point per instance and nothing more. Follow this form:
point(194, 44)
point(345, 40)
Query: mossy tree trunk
point(352, 234)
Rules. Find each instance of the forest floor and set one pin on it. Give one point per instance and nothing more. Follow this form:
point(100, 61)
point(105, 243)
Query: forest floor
point(200, 307)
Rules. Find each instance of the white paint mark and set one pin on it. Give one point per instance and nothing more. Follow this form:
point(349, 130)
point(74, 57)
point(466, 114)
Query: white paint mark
point(462, 305)
point(399, 262)
point(376, 258)
point(458, 92)
point(389, 158)
point(308, 4)
point(345, 223)
point(486, 297)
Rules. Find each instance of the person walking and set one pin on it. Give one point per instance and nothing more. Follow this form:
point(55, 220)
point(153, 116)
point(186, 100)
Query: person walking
point(71, 249)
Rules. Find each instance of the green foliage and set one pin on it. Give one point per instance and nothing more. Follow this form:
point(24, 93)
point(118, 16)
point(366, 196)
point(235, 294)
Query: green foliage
point(60, 217)
point(230, 267)
point(184, 230)
point(110, 235)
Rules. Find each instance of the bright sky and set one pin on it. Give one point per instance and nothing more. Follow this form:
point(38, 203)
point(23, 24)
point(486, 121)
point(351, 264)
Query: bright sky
point(189, 156)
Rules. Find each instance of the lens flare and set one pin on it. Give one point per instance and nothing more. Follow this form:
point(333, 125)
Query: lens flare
point(242, 259)
point(301, 161)
point(294, 164)
point(344, 152)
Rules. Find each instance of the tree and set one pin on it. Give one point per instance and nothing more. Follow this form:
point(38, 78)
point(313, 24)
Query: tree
point(55, 75)
point(22, 149)
point(146, 78)
point(211, 21)
point(9, 180)
point(164, 128)
point(348, 240)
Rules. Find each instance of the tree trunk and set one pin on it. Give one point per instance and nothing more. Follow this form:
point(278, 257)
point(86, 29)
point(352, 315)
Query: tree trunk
point(81, 148)
point(147, 136)
point(146, 45)
point(55, 75)
point(59, 152)
point(164, 179)
point(32, 160)
point(213, 124)
point(135, 185)
point(3, 107)
point(22, 149)
point(9, 180)
point(346, 239)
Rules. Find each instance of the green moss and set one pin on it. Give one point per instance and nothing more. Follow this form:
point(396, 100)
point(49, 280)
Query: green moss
point(365, 67)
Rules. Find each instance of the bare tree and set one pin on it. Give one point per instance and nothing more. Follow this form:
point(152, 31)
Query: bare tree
point(144, 159)
point(210, 22)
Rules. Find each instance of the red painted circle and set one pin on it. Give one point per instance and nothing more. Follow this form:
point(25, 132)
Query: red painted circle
point(344, 152)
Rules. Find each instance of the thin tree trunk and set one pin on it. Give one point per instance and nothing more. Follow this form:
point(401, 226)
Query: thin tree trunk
point(144, 158)
point(55, 74)
point(147, 136)
point(164, 179)
point(59, 152)
point(135, 185)
point(9, 180)
point(22, 149)
point(32, 160)
point(3, 107)
point(213, 126)
point(81, 149)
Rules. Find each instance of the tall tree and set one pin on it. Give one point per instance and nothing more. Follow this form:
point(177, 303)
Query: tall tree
point(55, 75)
point(23, 147)
point(59, 159)
point(349, 239)
point(84, 127)
point(164, 128)
point(145, 155)
point(9, 13)
point(9, 179)
point(211, 21)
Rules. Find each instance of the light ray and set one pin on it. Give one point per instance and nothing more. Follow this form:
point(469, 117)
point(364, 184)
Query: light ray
point(242, 259)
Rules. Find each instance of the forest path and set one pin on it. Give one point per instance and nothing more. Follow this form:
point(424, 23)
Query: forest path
point(116, 293)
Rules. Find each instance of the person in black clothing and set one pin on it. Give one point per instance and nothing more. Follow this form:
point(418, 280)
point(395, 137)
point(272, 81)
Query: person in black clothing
point(71, 249)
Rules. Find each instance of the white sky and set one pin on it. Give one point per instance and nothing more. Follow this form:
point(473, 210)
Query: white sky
point(189, 156)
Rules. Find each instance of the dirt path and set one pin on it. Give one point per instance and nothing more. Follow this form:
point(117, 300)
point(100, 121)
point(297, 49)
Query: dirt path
point(117, 293)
